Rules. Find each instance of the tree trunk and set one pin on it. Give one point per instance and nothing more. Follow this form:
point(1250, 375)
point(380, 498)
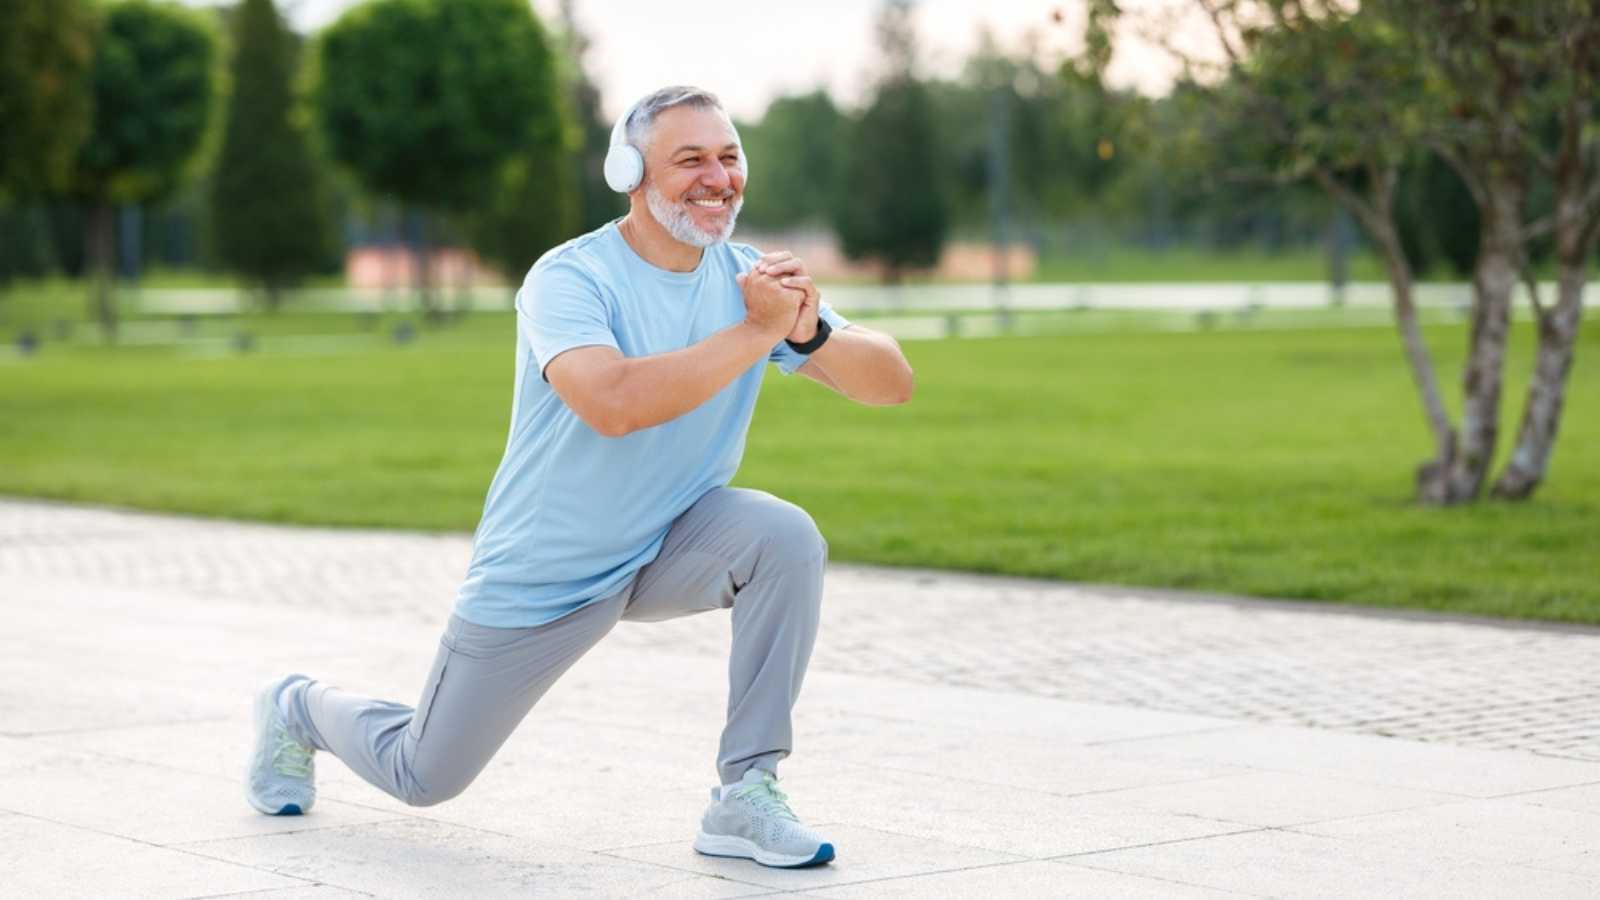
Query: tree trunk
point(1421, 363)
point(102, 237)
point(1499, 262)
point(1376, 215)
point(1541, 416)
point(423, 254)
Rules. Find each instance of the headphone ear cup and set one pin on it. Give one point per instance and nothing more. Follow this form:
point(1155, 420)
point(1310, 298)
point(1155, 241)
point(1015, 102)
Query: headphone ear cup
point(624, 168)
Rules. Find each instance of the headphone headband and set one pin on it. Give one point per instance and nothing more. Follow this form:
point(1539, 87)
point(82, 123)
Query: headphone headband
point(624, 166)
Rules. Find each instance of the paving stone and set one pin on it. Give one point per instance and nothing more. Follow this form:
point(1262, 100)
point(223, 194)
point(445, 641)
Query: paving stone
point(1275, 798)
point(1585, 863)
point(949, 750)
point(422, 858)
point(1004, 819)
point(309, 892)
point(41, 858)
point(1506, 831)
point(1583, 798)
point(1290, 864)
point(1441, 768)
point(152, 804)
point(1028, 879)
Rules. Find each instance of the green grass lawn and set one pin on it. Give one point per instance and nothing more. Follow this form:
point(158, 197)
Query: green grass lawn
point(1275, 463)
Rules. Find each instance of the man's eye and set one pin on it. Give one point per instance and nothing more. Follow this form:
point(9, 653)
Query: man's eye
point(731, 159)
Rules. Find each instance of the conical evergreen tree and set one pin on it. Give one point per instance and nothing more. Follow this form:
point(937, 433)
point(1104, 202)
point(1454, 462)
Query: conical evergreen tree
point(267, 209)
point(892, 206)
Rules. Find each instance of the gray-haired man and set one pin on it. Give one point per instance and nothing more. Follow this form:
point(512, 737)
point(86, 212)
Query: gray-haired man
point(640, 351)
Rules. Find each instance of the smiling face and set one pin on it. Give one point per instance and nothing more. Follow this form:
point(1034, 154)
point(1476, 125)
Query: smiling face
point(694, 175)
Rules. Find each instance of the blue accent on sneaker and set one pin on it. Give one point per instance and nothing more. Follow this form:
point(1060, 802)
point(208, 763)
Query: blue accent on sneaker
point(293, 809)
point(824, 855)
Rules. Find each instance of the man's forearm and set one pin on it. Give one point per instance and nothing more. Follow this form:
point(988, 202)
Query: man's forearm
point(649, 390)
point(867, 366)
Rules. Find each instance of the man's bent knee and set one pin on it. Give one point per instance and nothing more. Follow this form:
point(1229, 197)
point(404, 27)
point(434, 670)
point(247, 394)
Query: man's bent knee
point(414, 793)
point(792, 537)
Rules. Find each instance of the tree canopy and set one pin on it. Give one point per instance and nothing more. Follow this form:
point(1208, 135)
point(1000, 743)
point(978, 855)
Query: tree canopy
point(892, 207)
point(267, 204)
point(46, 53)
point(153, 89)
point(427, 99)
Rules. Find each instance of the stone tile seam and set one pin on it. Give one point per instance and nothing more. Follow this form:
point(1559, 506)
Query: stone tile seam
point(1062, 857)
point(402, 817)
point(1058, 861)
point(63, 732)
point(693, 875)
point(1049, 793)
point(1209, 729)
point(269, 891)
point(1379, 840)
point(1563, 787)
point(1015, 860)
point(308, 829)
point(175, 848)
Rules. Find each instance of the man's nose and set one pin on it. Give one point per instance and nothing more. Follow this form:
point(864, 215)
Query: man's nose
point(716, 176)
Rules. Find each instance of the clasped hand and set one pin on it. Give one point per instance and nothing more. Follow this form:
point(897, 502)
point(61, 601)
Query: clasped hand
point(779, 294)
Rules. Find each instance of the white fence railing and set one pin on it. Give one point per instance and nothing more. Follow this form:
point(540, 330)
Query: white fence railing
point(920, 298)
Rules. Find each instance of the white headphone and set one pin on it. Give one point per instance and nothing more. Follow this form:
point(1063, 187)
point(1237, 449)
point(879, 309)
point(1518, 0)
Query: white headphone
point(625, 165)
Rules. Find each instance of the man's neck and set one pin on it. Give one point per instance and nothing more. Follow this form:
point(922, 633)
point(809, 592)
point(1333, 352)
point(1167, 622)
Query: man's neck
point(655, 245)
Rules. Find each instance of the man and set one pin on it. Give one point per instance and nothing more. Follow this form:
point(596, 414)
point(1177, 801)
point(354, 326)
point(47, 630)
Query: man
point(639, 358)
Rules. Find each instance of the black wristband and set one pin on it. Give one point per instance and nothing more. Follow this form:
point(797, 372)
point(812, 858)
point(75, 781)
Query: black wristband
point(823, 330)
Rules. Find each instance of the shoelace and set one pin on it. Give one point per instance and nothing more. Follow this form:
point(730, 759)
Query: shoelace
point(289, 756)
point(765, 796)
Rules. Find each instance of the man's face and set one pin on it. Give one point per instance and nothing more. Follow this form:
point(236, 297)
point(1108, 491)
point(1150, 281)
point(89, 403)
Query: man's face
point(694, 175)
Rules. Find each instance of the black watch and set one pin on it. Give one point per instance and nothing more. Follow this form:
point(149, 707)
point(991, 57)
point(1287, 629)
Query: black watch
point(823, 330)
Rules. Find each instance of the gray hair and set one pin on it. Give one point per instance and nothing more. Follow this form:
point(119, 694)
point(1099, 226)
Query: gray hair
point(641, 121)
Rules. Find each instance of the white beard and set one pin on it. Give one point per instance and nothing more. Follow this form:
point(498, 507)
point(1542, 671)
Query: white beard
point(677, 220)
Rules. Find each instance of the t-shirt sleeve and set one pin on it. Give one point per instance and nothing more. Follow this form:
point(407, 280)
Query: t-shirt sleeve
point(787, 359)
point(559, 307)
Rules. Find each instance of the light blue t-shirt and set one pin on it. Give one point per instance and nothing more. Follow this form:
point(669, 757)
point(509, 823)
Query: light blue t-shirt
point(571, 514)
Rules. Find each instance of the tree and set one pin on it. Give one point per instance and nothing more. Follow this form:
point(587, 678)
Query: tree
point(598, 203)
point(153, 86)
point(796, 148)
point(535, 207)
point(1504, 91)
point(892, 207)
point(46, 54)
point(267, 211)
point(1311, 90)
point(1519, 80)
point(427, 100)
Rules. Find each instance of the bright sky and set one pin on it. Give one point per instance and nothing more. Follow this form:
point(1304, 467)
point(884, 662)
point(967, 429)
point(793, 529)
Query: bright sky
point(750, 52)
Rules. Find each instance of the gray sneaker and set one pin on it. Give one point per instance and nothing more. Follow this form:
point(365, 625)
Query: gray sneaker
point(752, 820)
point(281, 779)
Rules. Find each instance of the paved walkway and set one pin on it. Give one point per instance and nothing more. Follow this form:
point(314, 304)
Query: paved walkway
point(959, 736)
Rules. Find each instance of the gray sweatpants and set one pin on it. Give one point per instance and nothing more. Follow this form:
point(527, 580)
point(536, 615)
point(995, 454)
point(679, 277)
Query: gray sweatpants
point(736, 548)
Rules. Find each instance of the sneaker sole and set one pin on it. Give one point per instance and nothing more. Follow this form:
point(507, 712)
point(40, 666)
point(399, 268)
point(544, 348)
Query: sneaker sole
point(727, 845)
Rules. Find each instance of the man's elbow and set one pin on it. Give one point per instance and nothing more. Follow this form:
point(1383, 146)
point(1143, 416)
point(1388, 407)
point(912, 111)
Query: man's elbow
point(608, 418)
point(905, 384)
point(894, 391)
